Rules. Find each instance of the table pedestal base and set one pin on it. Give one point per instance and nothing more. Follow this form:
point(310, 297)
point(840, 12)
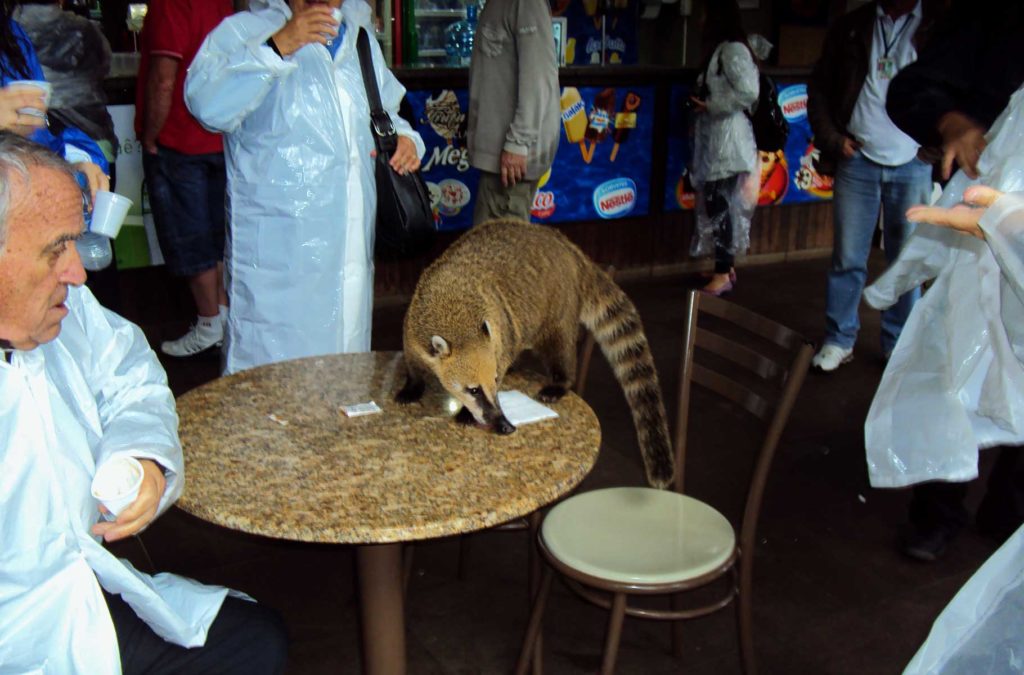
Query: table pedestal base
point(379, 567)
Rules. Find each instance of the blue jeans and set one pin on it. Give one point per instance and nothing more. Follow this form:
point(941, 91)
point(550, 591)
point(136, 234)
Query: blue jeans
point(187, 198)
point(861, 189)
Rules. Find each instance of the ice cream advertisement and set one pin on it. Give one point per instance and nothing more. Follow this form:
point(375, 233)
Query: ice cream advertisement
point(603, 166)
point(440, 117)
point(787, 177)
point(602, 169)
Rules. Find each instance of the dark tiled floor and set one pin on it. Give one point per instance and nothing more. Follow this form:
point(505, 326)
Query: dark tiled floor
point(832, 594)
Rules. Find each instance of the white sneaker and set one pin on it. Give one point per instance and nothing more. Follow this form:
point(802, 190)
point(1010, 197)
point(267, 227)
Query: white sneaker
point(830, 357)
point(205, 333)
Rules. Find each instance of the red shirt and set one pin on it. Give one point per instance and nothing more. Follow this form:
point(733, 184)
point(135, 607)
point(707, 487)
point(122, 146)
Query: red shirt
point(176, 28)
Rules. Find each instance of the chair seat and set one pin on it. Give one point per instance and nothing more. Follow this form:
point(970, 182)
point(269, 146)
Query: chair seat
point(638, 535)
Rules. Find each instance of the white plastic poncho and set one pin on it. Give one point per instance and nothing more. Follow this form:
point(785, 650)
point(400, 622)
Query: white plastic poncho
point(301, 189)
point(955, 381)
point(979, 631)
point(723, 144)
point(95, 392)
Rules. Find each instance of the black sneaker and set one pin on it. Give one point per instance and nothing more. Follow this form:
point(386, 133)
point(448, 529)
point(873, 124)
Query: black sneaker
point(925, 544)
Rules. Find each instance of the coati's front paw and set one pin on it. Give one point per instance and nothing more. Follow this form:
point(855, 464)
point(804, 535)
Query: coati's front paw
point(552, 393)
point(464, 416)
point(411, 392)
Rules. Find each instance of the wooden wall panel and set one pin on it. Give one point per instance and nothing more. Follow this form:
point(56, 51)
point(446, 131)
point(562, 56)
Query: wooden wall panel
point(657, 244)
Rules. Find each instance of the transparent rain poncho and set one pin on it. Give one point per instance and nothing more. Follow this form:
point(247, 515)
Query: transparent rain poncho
point(723, 145)
point(979, 631)
point(301, 186)
point(955, 381)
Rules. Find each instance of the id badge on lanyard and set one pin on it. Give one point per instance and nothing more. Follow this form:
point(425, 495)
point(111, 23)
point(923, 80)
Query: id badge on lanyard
point(885, 68)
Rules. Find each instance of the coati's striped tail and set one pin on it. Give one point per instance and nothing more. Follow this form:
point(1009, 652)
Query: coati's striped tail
point(616, 326)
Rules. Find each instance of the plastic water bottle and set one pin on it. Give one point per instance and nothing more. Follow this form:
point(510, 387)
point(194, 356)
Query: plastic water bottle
point(95, 251)
point(458, 38)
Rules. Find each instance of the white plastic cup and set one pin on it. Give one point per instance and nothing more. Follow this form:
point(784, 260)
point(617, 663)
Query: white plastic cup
point(116, 484)
point(36, 84)
point(108, 213)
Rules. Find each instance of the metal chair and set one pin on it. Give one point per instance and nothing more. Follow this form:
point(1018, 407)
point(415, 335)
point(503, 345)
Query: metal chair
point(613, 543)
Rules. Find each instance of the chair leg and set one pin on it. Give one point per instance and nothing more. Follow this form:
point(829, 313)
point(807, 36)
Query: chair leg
point(677, 627)
point(745, 626)
point(611, 644)
point(535, 566)
point(530, 643)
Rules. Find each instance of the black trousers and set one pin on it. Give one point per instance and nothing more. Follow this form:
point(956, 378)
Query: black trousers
point(716, 202)
point(245, 639)
point(1001, 512)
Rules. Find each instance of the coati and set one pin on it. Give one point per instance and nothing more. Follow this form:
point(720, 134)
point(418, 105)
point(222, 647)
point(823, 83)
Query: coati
point(507, 286)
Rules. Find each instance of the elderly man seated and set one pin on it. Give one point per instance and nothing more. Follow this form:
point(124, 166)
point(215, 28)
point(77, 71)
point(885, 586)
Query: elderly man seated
point(79, 385)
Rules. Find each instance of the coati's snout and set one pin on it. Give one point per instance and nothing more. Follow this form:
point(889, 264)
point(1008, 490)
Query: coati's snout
point(469, 373)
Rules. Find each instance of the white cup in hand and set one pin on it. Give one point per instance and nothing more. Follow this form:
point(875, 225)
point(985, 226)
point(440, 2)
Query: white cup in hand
point(35, 84)
point(116, 484)
point(108, 213)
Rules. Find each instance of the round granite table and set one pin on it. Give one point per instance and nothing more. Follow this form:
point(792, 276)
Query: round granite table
point(268, 451)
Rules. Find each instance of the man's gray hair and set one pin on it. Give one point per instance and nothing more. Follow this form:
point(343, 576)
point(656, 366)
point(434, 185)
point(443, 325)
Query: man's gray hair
point(17, 155)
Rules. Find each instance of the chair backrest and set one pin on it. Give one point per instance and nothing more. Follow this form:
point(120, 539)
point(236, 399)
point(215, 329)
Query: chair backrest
point(753, 362)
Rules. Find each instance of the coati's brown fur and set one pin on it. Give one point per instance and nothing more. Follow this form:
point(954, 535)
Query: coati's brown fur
point(507, 286)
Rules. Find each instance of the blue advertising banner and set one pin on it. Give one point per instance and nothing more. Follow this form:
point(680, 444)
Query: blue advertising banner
point(678, 190)
point(602, 169)
point(787, 177)
point(792, 178)
point(441, 120)
point(603, 166)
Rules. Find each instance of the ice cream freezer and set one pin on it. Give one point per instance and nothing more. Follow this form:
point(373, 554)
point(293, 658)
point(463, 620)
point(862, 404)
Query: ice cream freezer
point(618, 185)
point(623, 150)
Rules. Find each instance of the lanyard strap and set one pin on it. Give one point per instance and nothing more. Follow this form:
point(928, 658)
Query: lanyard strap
point(889, 44)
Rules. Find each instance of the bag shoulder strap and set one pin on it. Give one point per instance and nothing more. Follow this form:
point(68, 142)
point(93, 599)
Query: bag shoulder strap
point(384, 135)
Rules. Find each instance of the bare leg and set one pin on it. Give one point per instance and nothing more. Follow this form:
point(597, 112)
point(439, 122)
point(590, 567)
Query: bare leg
point(208, 291)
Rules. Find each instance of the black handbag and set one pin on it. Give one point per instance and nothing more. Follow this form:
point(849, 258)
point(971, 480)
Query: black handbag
point(405, 222)
point(770, 126)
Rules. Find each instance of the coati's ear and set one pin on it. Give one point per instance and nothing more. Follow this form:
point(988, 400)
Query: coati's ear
point(486, 328)
point(439, 347)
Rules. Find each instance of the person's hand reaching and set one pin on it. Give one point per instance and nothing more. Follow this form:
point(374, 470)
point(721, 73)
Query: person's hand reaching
point(962, 217)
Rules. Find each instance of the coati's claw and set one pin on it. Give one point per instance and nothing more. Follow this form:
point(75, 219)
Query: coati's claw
point(503, 426)
point(411, 392)
point(552, 393)
point(465, 417)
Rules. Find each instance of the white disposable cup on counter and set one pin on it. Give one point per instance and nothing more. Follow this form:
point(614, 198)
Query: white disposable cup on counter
point(36, 84)
point(116, 484)
point(108, 213)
